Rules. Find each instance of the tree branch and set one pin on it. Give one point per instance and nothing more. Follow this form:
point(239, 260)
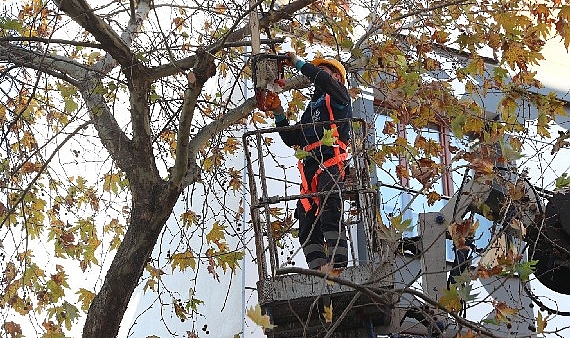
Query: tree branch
point(375, 24)
point(264, 22)
point(248, 42)
point(112, 43)
point(51, 41)
point(111, 135)
point(61, 67)
point(206, 133)
point(139, 16)
point(230, 118)
point(205, 69)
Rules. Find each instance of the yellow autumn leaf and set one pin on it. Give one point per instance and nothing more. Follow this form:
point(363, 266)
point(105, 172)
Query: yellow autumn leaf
point(232, 144)
point(178, 23)
point(216, 234)
point(10, 272)
point(502, 311)
point(258, 117)
point(235, 179)
point(85, 297)
point(450, 299)
point(331, 272)
point(183, 260)
point(541, 12)
point(540, 323)
point(189, 218)
point(179, 310)
point(402, 172)
point(154, 272)
point(401, 225)
point(562, 24)
point(433, 197)
point(328, 313)
point(469, 334)
point(482, 166)
point(254, 313)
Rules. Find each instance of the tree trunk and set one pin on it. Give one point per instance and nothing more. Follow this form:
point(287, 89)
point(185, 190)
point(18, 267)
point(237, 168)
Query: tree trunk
point(151, 208)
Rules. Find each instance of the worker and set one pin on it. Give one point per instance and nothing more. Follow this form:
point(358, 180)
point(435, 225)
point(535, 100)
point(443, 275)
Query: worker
point(322, 232)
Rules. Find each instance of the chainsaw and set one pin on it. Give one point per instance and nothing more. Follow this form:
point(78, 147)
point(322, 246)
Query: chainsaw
point(268, 75)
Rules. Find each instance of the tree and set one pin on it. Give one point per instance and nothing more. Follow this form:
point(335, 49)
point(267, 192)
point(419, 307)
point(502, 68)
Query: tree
point(72, 70)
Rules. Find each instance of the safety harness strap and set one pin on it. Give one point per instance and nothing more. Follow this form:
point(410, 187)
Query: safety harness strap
point(338, 160)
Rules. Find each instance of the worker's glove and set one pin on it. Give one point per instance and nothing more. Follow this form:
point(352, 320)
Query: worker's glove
point(293, 59)
point(271, 102)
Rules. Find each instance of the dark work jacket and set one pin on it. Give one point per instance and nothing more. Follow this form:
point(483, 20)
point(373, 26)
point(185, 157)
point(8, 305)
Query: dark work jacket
point(316, 111)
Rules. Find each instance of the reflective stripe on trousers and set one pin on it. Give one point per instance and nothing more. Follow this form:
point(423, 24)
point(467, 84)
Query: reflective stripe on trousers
point(323, 224)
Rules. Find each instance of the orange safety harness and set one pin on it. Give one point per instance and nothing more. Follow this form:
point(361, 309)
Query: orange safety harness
point(338, 159)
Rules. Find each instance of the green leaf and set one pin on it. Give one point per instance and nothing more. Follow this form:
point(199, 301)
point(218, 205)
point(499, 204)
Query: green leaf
point(457, 126)
point(227, 260)
point(328, 138)
point(193, 303)
point(491, 321)
point(70, 313)
point(500, 72)
point(464, 278)
point(55, 290)
point(540, 323)
point(450, 299)
point(141, 56)
point(10, 24)
point(508, 153)
point(401, 225)
point(525, 269)
point(300, 154)
point(486, 211)
point(464, 292)
point(153, 96)
point(347, 44)
point(114, 182)
point(70, 105)
point(562, 181)
point(401, 61)
point(412, 83)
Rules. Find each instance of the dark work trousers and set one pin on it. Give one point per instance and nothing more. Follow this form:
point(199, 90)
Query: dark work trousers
point(322, 232)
